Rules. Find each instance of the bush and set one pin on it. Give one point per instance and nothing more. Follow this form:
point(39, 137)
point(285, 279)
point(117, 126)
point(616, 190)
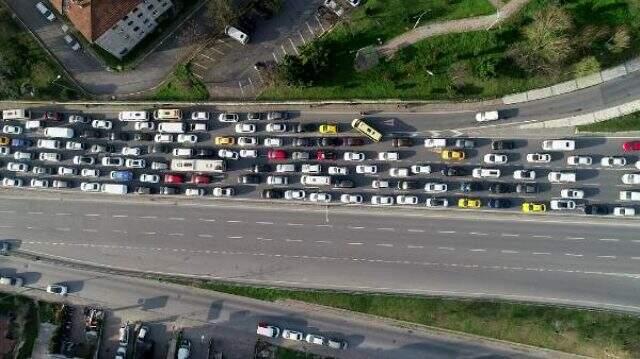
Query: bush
point(587, 66)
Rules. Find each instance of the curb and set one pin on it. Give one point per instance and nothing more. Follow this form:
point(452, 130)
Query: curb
point(589, 118)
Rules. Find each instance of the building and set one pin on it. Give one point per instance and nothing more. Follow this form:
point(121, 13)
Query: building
point(115, 25)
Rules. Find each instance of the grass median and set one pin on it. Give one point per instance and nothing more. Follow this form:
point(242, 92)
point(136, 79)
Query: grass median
point(620, 124)
point(586, 332)
point(182, 86)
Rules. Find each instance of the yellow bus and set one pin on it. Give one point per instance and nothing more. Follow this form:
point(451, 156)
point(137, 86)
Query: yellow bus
point(366, 129)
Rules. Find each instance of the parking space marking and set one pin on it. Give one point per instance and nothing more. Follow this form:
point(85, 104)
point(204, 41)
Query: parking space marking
point(355, 227)
point(294, 46)
point(63, 229)
point(327, 242)
point(540, 236)
point(5, 226)
point(325, 225)
point(283, 50)
point(607, 257)
point(92, 215)
point(574, 238)
point(411, 230)
point(386, 229)
point(478, 234)
point(149, 233)
point(148, 217)
point(63, 214)
point(241, 89)
point(232, 221)
point(310, 29)
point(199, 65)
point(90, 230)
point(320, 23)
point(274, 57)
point(35, 212)
point(216, 50)
point(205, 235)
point(295, 224)
point(198, 76)
point(205, 56)
point(304, 41)
point(176, 234)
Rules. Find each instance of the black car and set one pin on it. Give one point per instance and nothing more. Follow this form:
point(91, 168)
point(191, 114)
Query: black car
point(168, 190)
point(304, 127)
point(453, 171)
point(249, 179)
point(402, 142)
point(272, 194)
point(408, 185)
point(204, 153)
point(467, 187)
point(526, 188)
point(344, 184)
point(502, 145)
point(142, 137)
point(352, 141)
point(499, 188)
point(143, 190)
point(438, 202)
point(499, 203)
point(158, 148)
point(90, 134)
point(596, 209)
point(301, 142)
point(261, 168)
point(118, 136)
point(327, 141)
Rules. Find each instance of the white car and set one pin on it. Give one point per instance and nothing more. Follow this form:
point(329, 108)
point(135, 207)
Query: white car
point(405, 199)
point(57, 289)
point(571, 193)
point(247, 141)
point(299, 155)
point(296, 194)
point(102, 124)
point(38, 170)
point(313, 168)
point(399, 172)
point(486, 173)
point(232, 155)
point(135, 163)
point(292, 335)
point(351, 198)
point(277, 180)
point(159, 166)
point(561, 204)
point(84, 160)
point(495, 158)
point(638, 164)
point(435, 142)
point(12, 182)
point(195, 192)
point(613, 161)
point(487, 116)
point(228, 117)
point(333, 6)
point(44, 11)
point(39, 183)
point(11, 130)
point(624, 211)
point(273, 142)
point(631, 178)
point(524, 174)
point(198, 127)
point(388, 156)
point(276, 127)
point(367, 169)
point(79, 119)
point(131, 151)
point(561, 177)
point(315, 339)
point(437, 202)
point(380, 184)
point(378, 200)
point(223, 192)
point(354, 156)
point(200, 116)
point(559, 145)
point(187, 138)
point(320, 197)
point(579, 161)
point(72, 42)
point(248, 153)
point(75, 146)
point(144, 126)
point(112, 161)
point(435, 187)
point(17, 167)
point(90, 187)
point(149, 178)
point(5, 151)
point(163, 138)
point(245, 128)
point(50, 156)
point(67, 171)
point(90, 172)
point(20, 155)
point(420, 169)
point(336, 170)
point(538, 157)
point(59, 184)
point(183, 152)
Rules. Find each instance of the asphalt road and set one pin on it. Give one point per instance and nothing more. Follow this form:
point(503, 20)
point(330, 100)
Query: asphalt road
point(231, 321)
point(549, 259)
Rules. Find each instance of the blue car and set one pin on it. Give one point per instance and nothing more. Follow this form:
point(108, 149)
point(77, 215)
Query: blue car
point(121, 176)
point(19, 143)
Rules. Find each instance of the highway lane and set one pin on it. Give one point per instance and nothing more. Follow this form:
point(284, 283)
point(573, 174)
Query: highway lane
point(558, 259)
point(231, 320)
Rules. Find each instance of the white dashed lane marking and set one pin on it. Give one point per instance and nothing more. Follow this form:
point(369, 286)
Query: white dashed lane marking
point(446, 232)
point(206, 219)
point(447, 248)
point(478, 250)
point(384, 245)
point(415, 230)
point(264, 222)
point(234, 237)
point(205, 236)
point(609, 239)
point(355, 243)
point(509, 251)
point(148, 217)
point(509, 235)
point(573, 255)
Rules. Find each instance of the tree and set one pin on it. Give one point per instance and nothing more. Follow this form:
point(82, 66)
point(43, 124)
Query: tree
point(306, 68)
point(221, 13)
point(620, 41)
point(587, 66)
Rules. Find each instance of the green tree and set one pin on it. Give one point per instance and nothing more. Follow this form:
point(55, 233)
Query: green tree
point(587, 66)
point(307, 68)
point(221, 13)
point(620, 41)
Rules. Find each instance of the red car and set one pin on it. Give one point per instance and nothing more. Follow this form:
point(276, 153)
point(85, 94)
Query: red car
point(52, 116)
point(172, 178)
point(277, 155)
point(325, 155)
point(631, 146)
point(200, 179)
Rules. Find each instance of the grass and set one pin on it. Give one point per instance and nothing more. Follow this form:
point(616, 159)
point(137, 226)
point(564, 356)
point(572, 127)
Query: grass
point(286, 353)
point(592, 333)
point(427, 69)
point(621, 124)
point(183, 86)
point(26, 322)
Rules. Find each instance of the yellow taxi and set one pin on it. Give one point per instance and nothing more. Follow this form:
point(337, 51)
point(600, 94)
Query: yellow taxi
point(532, 207)
point(328, 129)
point(453, 155)
point(224, 140)
point(4, 140)
point(469, 203)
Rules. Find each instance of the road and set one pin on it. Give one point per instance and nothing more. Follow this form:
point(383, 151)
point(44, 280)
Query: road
point(231, 320)
point(547, 259)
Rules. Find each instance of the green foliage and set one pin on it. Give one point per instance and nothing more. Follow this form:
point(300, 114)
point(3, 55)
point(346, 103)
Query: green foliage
point(621, 124)
point(307, 68)
point(183, 86)
point(587, 66)
point(485, 68)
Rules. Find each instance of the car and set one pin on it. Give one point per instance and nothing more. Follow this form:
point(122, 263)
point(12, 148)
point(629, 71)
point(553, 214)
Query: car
point(121, 176)
point(344, 183)
point(524, 175)
point(198, 127)
point(499, 188)
point(498, 203)
point(562, 204)
point(533, 207)
point(163, 138)
point(4, 141)
point(335, 343)
point(579, 160)
point(245, 128)
point(159, 165)
point(495, 158)
point(90, 172)
point(354, 156)
point(200, 116)
point(322, 155)
point(486, 173)
point(377, 184)
point(261, 168)
point(463, 143)
point(337, 170)
point(194, 192)
point(254, 116)
point(435, 187)
point(165, 190)
point(299, 155)
point(435, 142)
point(406, 199)
point(571, 193)
point(469, 203)
point(631, 146)
point(301, 142)
point(420, 169)
point(367, 169)
point(467, 187)
point(388, 156)
point(149, 178)
point(352, 141)
point(401, 142)
point(58, 289)
point(135, 163)
point(558, 145)
point(407, 185)
point(277, 180)
point(75, 146)
point(248, 153)
point(223, 192)
point(328, 128)
point(144, 126)
point(348, 198)
point(245, 141)
point(20, 143)
point(452, 155)
point(276, 127)
point(294, 194)
point(90, 187)
point(187, 138)
point(613, 161)
point(399, 172)
point(50, 156)
point(83, 160)
point(378, 200)
point(22, 156)
point(101, 148)
point(183, 152)
point(502, 145)
point(102, 124)
point(487, 116)
point(17, 167)
point(159, 148)
point(435, 202)
point(273, 142)
point(624, 211)
point(90, 134)
point(173, 178)
point(38, 170)
point(11, 130)
point(228, 117)
point(5, 247)
point(60, 184)
point(12, 182)
point(199, 179)
point(5, 151)
point(272, 194)
point(526, 188)
point(228, 154)
point(249, 179)
point(72, 42)
point(453, 171)
point(596, 209)
point(631, 178)
point(276, 115)
point(44, 11)
point(538, 157)
point(320, 197)
point(11, 281)
point(112, 161)
point(39, 183)
point(561, 177)
point(313, 168)
point(52, 116)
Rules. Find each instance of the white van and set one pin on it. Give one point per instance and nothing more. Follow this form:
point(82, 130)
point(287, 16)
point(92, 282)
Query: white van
point(629, 196)
point(237, 35)
point(50, 157)
point(133, 116)
point(268, 331)
point(315, 180)
point(171, 127)
point(59, 132)
point(165, 114)
point(16, 114)
point(285, 167)
point(113, 188)
point(559, 145)
point(49, 144)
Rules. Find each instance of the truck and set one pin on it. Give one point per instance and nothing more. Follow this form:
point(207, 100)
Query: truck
point(194, 165)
